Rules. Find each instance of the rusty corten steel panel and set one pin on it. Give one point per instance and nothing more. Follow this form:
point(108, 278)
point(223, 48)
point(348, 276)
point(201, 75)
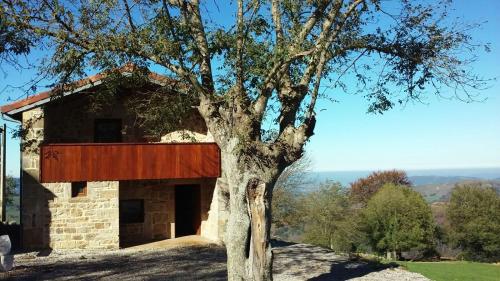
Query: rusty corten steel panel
point(128, 161)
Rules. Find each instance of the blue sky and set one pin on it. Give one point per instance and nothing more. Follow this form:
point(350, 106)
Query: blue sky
point(438, 134)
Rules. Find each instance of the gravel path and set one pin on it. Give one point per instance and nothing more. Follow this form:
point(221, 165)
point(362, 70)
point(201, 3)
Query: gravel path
point(306, 262)
point(208, 262)
point(186, 263)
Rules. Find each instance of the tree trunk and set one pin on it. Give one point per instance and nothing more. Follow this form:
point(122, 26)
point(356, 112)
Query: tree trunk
point(261, 258)
point(249, 255)
point(392, 255)
point(237, 238)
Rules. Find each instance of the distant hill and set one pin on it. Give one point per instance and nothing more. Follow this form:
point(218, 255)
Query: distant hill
point(426, 180)
point(434, 185)
point(418, 177)
point(440, 192)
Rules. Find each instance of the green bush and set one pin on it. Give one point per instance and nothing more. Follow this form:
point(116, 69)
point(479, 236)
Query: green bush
point(329, 219)
point(474, 217)
point(398, 219)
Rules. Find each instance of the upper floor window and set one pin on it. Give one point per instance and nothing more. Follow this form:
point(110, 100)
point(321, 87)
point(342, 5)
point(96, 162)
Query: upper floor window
point(108, 130)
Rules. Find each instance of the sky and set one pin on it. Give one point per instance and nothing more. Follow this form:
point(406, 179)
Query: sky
point(437, 134)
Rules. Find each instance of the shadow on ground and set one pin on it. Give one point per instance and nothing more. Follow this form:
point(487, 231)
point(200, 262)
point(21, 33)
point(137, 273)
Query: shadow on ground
point(307, 262)
point(189, 263)
point(347, 270)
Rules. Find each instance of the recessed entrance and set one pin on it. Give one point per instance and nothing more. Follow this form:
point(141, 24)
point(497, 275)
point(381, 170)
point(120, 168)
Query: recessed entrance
point(187, 210)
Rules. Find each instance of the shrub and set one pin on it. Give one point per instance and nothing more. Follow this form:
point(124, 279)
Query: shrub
point(398, 219)
point(474, 217)
point(329, 220)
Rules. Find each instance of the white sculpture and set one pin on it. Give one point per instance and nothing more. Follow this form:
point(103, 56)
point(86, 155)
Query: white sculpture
point(6, 260)
point(5, 245)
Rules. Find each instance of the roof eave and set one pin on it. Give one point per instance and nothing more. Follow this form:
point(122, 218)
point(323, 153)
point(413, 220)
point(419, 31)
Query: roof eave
point(13, 108)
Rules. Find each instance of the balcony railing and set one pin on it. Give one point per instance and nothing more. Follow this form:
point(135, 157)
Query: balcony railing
point(128, 161)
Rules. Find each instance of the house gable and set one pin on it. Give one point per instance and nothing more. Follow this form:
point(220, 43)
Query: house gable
point(15, 108)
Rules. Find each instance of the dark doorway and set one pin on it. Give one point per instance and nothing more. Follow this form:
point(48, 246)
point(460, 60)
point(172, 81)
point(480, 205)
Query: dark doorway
point(187, 210)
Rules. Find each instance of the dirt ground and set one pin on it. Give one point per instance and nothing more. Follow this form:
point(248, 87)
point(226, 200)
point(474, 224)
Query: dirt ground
point(193, 261)
point(296, 262)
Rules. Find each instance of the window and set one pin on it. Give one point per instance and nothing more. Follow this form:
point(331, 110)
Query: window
point(108, 130)
point(132, 211)
point(78, 189)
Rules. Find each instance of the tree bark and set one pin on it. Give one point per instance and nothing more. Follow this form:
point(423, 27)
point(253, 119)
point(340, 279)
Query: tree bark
point(248, 227)
point(261, 258)
point(237, 238)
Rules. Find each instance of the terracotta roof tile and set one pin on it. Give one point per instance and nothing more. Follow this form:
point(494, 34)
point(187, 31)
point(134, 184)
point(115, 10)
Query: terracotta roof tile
point(77, 84)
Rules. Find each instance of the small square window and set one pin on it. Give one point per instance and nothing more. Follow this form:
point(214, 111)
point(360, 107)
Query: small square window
point(132, 211)
point(107, 130)
point(78, 189)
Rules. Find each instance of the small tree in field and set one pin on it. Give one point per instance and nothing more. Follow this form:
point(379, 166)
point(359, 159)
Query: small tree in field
point(398, 219)
point(274, 60)
point(474, 217)
point(364, 188)
point(329, 220)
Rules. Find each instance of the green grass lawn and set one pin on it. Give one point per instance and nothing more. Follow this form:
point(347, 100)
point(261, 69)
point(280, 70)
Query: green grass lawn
point(455, 271)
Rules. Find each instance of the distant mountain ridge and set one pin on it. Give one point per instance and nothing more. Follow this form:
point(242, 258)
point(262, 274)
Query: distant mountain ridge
point(434, 185)
point(441, 192)
point(424, 180)
point(418, 177)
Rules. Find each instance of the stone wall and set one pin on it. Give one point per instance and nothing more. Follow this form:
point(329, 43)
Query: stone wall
point(84, 222)
point(51, 218)
point(72, 121)
point(219, 211)
point(34, 213)
point(209, 212)
point(159, 211)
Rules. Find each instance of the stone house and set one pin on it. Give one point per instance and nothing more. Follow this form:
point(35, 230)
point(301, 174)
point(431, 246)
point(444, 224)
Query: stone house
point(96, 180)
